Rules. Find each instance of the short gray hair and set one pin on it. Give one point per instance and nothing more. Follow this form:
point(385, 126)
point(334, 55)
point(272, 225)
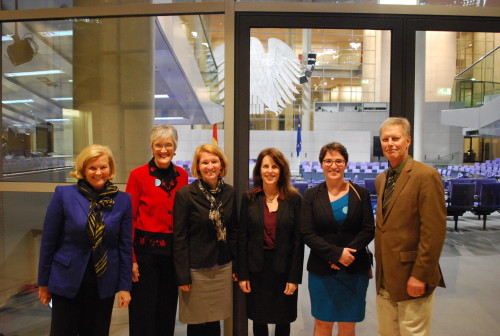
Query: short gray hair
point(164, 132)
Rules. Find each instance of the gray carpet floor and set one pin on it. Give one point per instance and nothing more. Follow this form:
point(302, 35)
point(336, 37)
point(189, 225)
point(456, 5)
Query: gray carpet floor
point(468, 306)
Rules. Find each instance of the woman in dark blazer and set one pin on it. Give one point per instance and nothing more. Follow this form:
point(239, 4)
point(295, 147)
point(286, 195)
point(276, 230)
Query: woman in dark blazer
point(205, 243)
point(337, 225)
point(270, 249)
point(86, 248)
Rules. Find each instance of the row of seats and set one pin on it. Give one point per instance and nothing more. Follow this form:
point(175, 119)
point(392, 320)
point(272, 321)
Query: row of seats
point(462, 197)
point(481, 196)
point(23, 164)
point(489, 168)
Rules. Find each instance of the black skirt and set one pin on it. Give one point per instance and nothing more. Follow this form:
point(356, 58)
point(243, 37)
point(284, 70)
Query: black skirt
point(267, 303)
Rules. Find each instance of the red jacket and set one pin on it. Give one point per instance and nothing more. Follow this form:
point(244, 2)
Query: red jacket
point(152, 207)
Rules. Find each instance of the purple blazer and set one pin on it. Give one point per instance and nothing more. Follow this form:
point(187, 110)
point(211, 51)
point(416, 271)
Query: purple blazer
point(66, 249)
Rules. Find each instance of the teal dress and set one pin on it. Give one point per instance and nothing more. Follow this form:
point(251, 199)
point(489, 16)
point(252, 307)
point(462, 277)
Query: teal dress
point(340, 297)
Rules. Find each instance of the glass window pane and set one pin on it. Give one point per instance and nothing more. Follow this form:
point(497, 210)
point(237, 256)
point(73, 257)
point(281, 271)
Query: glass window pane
point(69, 83)
point(336, 80)
point(42, 4)
point(456, 102)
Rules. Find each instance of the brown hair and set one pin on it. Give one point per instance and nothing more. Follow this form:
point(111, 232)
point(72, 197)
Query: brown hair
point(333, 146)
point(284, 182)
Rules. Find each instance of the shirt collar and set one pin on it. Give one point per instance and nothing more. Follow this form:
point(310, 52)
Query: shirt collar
point(399, 168)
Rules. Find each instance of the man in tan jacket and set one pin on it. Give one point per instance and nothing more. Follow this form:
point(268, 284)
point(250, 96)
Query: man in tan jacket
point(409, 236)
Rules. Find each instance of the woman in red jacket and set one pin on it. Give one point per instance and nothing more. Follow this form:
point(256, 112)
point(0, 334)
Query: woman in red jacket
point(153, 186)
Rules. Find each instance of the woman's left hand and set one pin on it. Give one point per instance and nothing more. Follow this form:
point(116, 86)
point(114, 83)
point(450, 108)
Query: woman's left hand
point(347, 257)
point(123, 299)
point(235, 277)
point(44, 295)
point(290, 288)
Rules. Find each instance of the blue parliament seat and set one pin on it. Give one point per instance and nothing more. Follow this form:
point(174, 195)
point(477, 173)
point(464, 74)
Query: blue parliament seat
point(489, 201)
point(479, 182)
point(370, 185)
point(461, 200)
point(301, 186)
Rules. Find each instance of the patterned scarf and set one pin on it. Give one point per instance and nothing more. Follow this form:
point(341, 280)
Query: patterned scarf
point(95, 223)
point(216, 212)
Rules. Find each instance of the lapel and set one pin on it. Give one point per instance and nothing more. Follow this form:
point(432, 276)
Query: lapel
point(196, 193)
point(82, 202)
point(352, 203)
point(324, 200)
point(260, 212)
point(282, 209)
point(380, 194)
point(400, 185)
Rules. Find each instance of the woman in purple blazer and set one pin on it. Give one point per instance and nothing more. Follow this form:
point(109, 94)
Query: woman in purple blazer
point(86, 248)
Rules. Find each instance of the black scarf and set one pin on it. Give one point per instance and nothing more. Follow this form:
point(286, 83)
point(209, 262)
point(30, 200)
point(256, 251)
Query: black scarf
point(165, 178)
point(215, 214)
point(99, 202)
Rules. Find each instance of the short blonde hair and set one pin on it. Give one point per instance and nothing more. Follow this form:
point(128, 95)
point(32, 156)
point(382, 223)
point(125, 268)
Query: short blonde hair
point(164, 132)
point(93, 152)
point(397, 121)
point(212, 149)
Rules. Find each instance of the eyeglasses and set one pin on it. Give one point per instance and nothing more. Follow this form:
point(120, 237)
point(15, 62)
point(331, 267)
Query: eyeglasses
point(338, 163)
point(168, 145)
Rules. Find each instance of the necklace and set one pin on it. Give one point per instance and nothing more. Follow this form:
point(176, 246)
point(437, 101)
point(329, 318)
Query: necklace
point(271, 199)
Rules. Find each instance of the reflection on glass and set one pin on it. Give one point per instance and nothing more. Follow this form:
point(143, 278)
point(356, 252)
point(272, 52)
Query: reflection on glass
point(479, 83)
point(457, 101)
point(341, 93)
point(42, 4)
point(69, 83)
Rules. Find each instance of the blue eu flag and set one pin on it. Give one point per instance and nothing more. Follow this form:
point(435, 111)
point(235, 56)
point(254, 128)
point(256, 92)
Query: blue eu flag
point(299, 137)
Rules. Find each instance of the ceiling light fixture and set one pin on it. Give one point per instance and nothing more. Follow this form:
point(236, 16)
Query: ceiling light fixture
point(53, 120)
point(32, 73)
point(18, 101)
point(63, 99)
point(169, 118)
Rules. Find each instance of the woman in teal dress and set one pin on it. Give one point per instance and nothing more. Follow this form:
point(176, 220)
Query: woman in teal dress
point(337, 225)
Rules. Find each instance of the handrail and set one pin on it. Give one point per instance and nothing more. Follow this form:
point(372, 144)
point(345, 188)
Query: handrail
point(209, 45)
point(479, 60)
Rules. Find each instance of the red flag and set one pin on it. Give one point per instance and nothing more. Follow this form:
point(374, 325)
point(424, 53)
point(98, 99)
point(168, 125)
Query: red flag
point(215, 141)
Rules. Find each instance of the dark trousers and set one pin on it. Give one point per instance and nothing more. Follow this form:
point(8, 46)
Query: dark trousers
point(154, 297)
point(260, 329)
point(204, 329)
point(85, 314)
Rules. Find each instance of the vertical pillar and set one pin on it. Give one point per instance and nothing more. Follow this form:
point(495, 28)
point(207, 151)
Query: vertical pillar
point(368, 65)
point(114, 88)
point(418, 126)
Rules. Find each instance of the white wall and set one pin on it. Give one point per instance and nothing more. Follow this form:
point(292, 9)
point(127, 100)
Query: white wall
point(440, 139)
point(355, 130)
